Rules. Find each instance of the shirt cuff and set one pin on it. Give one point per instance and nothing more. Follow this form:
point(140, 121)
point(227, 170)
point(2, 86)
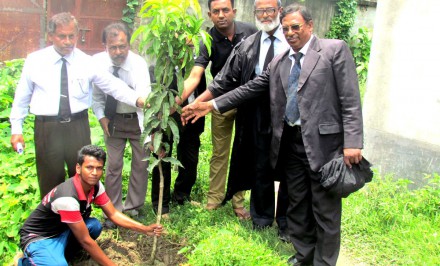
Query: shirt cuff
point(214, 105)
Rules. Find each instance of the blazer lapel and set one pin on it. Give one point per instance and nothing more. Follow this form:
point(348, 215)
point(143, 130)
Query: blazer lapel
point(285, 66)
point(310, 61)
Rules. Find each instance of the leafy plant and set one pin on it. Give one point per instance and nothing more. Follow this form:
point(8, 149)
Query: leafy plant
point(343, 20)
point(386, 223)
point(18, 182)
point(360, 45)
point(170, 33)
point(129, 12)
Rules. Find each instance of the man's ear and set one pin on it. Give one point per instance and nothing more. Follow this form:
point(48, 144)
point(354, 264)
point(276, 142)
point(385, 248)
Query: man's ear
point(49, 37)
point(78, 168)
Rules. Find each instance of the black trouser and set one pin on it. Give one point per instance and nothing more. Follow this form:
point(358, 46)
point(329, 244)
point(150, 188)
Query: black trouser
point(313, 216)
point(57, 144)
point(188, 155)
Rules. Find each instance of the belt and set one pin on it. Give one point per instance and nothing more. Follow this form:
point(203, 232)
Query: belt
point(55, 118)
point(128, 115)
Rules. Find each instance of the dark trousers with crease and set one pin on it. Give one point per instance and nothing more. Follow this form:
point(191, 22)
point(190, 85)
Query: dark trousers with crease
point(313, 216)
point(56, 145)
point(188, 155)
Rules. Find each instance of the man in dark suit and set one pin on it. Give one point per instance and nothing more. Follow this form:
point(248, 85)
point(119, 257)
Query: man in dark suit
point(316, 116)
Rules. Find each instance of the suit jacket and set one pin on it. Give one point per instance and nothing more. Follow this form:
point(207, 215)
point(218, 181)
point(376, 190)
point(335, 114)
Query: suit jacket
point(328, 100)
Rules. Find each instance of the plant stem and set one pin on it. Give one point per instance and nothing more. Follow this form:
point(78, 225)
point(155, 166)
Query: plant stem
point(159, 211)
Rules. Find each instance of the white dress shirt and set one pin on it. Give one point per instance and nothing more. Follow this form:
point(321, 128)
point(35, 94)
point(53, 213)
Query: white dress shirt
point(280, 45)
point(39, 85)
point(134, 72)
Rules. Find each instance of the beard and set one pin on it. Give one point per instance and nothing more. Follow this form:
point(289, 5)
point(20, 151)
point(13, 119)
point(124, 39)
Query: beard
point(267, 26)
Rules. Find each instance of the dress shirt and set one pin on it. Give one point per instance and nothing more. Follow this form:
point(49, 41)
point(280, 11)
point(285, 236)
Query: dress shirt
point(304, 52)
point(39, 85)
point(280, 45)
point(134, 72)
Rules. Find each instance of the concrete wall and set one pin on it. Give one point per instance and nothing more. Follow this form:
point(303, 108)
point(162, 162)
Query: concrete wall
point(402, 100)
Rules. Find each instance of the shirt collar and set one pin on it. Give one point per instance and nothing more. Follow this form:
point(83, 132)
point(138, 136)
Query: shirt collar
point(278, 34)
point(55, 57)
point(80, 190)
point(218, 37)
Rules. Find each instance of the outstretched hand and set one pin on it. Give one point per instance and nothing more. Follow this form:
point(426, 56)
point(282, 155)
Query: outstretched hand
point(153, 230)
point(195, 110)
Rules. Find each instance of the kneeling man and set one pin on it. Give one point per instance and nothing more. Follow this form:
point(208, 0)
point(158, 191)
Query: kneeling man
point(61, 223)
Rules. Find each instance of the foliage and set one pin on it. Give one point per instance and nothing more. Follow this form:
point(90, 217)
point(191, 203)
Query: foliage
point(388, 224)
point(343, 20)
point(18, 182)
point(360, 45)
point(9, 75)
point(168, 29)
point(129, 12)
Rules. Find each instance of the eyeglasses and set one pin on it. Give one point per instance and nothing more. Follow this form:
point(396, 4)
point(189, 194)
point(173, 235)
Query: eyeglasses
point(269, 11)
point(293, 27)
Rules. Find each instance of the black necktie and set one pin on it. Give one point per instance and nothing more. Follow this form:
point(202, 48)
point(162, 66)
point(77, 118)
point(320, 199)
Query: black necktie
point(110, 103)
point(292, 111)
point(64, 109)
point(270, 53)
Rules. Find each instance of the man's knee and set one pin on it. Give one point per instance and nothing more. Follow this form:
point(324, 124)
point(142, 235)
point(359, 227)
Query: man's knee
point(94, 227)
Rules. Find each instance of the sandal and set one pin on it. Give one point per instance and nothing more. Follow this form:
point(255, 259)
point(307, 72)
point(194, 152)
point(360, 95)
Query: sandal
point(212, 206)
point(242, 213)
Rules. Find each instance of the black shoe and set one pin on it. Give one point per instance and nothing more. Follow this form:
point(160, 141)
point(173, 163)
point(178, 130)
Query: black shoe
point(259, 227)
point(284, 236)
point(292, 261)
point(109, 224)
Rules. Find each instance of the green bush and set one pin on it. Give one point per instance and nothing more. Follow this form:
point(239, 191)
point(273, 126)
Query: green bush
point(343, 20)
point(18, 182)
point(388, 224)
point(360, 45)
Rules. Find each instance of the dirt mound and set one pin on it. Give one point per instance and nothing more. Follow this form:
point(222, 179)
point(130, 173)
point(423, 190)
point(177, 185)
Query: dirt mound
point(125, 247)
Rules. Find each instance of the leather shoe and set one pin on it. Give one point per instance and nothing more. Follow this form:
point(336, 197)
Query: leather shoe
point(242, 213)
point(284, 236)
point(293, 261)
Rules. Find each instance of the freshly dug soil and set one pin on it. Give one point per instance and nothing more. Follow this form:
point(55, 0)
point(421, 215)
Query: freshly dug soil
point(127, 248)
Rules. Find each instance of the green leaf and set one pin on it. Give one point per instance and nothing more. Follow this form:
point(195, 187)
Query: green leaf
point(157, 141)
point(174, 129)
point(173, 161)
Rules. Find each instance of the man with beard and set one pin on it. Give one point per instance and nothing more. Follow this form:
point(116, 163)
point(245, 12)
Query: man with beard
point(250, 165)
point(121, 122)
point(226, 33)
point(56, 83)
point(316, 117)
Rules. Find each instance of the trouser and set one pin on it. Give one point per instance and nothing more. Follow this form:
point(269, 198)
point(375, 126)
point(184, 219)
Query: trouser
point(313, 215)
point(126, 128)
point(57, 250)
point(221, 132)
point(57, 144)
point(188, 155)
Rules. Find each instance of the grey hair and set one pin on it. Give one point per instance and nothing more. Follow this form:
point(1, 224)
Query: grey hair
point(63, 18)
point(278, 3)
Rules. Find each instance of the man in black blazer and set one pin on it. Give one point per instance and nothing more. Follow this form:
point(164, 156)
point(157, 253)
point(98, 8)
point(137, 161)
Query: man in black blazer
point(326, 94)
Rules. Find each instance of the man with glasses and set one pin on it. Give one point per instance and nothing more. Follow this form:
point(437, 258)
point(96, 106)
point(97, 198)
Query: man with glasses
point(316, 116)
point(250, 165)
point(226, 33)
point(55, 86)
point(121, 122)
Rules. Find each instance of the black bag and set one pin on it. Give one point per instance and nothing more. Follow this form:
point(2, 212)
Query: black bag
point(341, 181)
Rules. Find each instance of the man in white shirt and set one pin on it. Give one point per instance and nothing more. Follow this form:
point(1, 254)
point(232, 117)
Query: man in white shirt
point(56, 84)
point(122, 122)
